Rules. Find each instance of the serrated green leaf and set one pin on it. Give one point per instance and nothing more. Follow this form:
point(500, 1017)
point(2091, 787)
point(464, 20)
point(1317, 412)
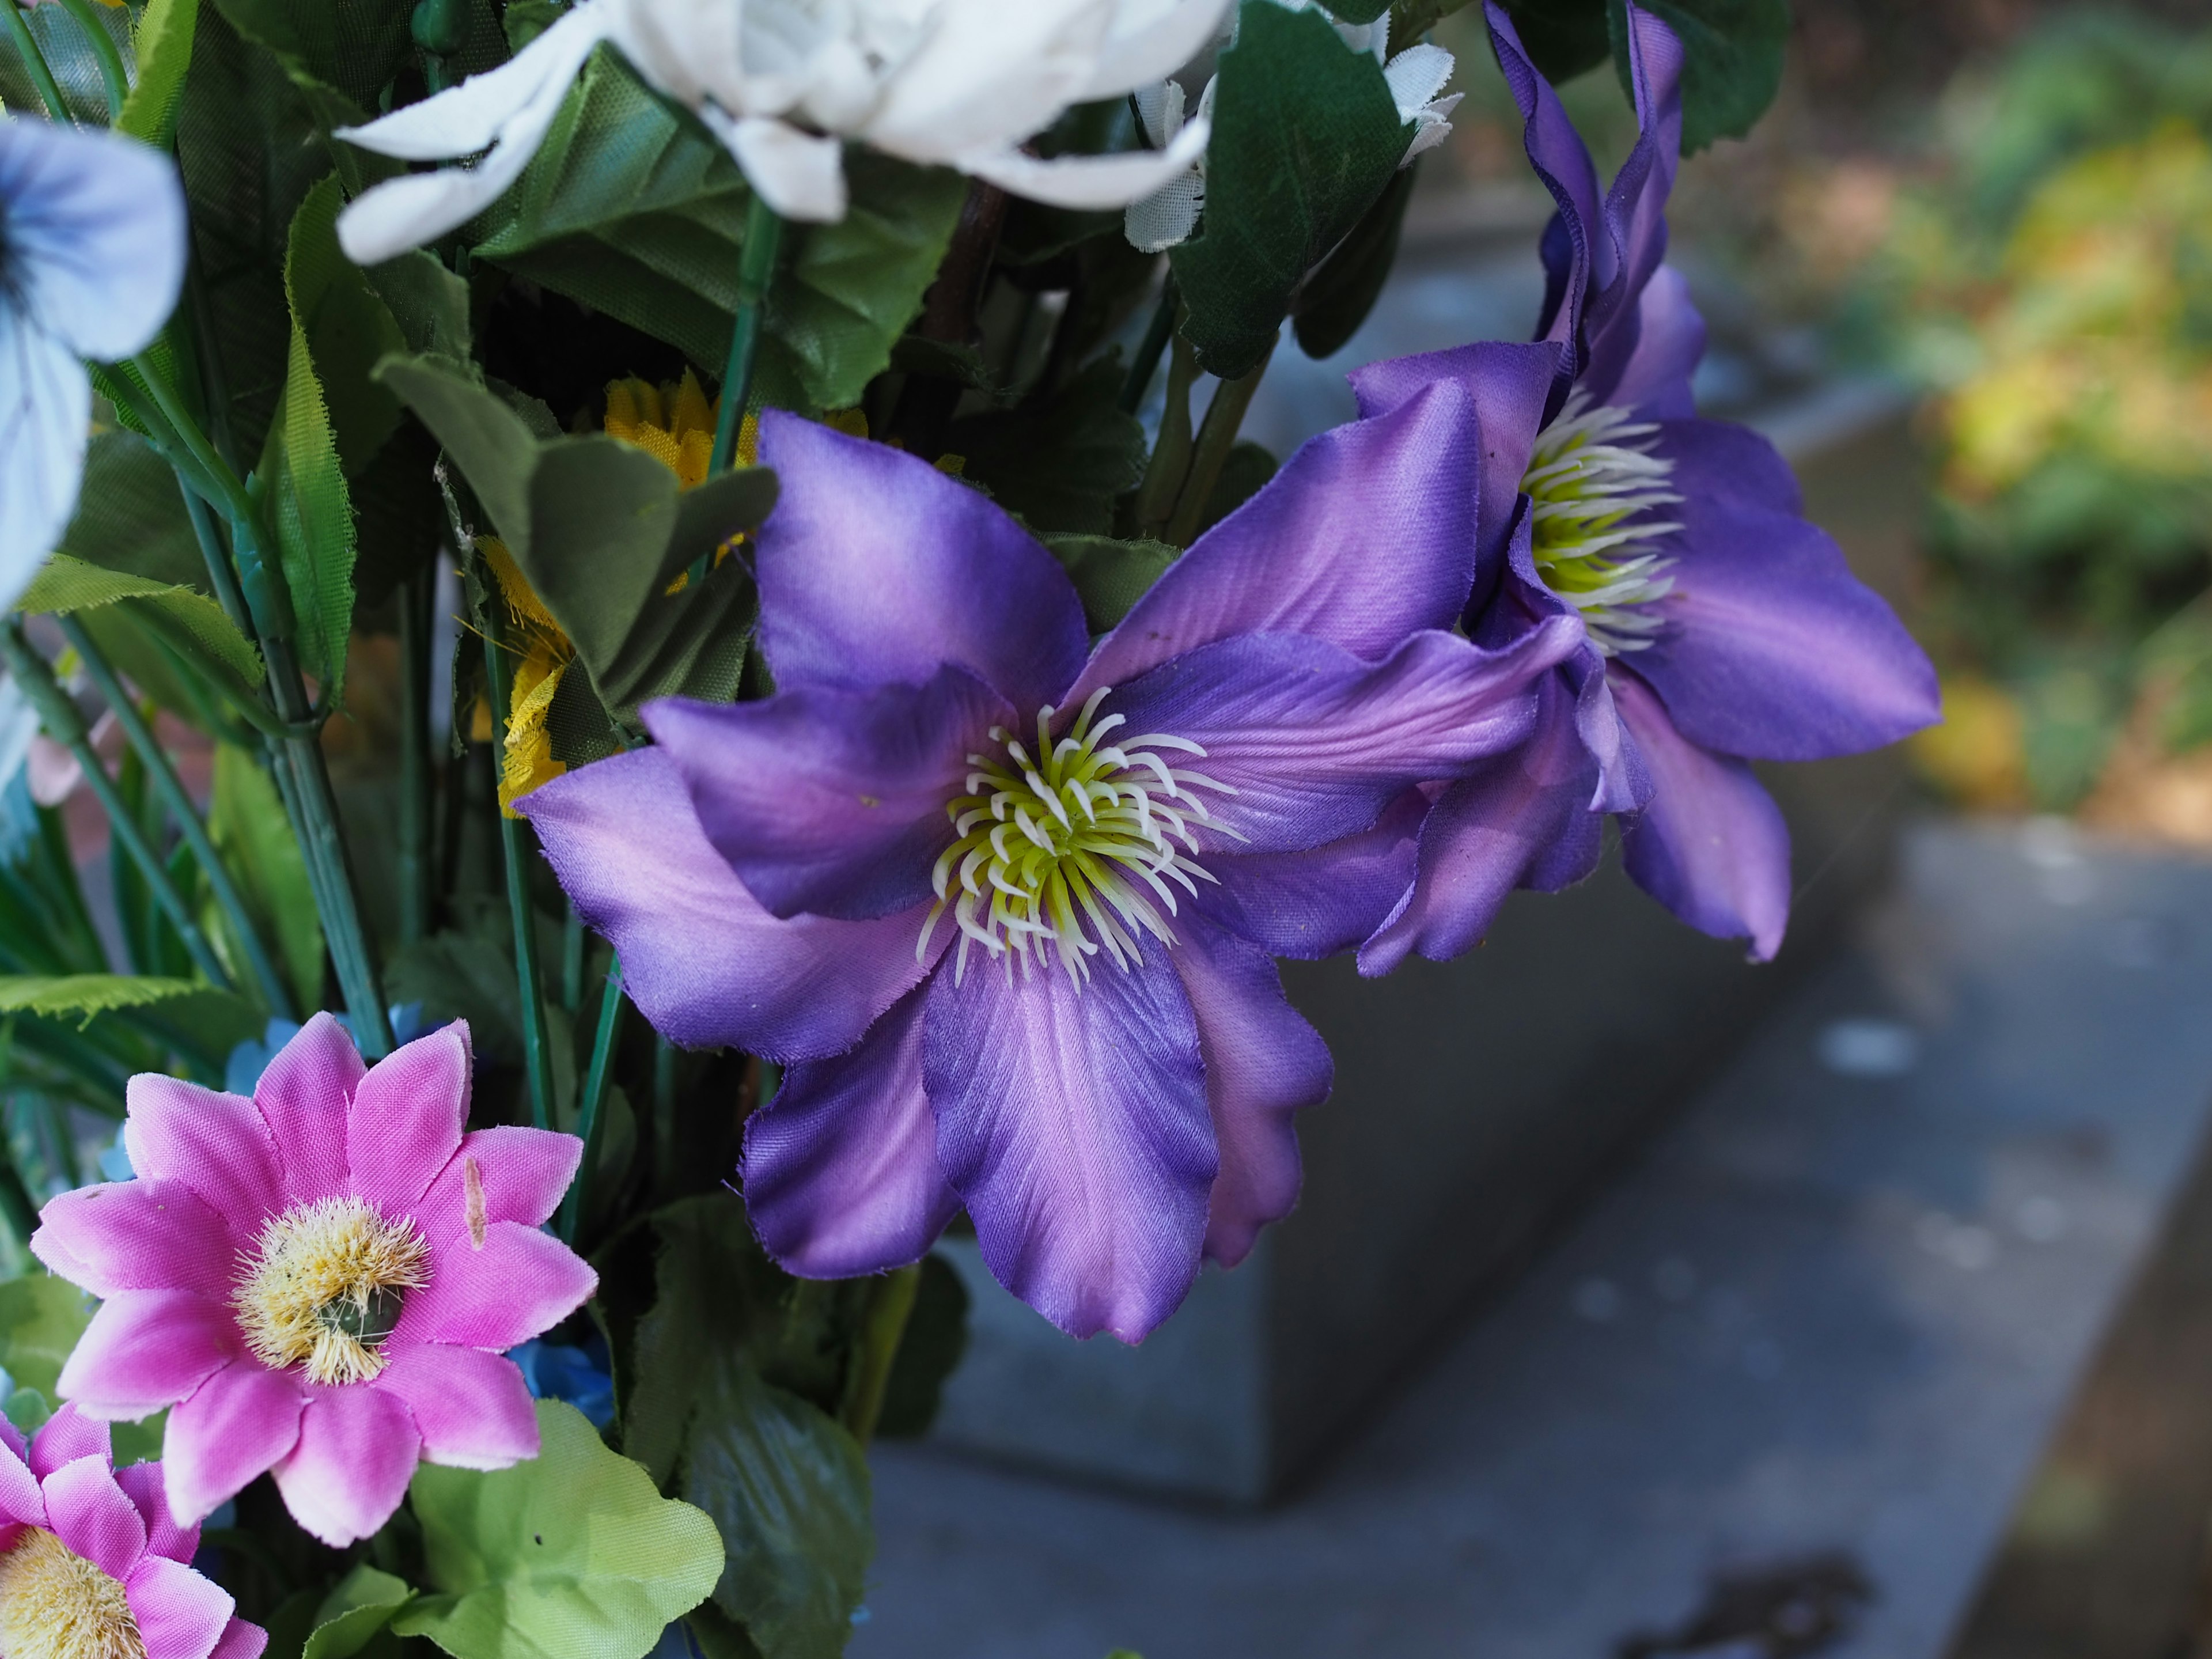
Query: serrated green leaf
point(1109, 575)
point(65, 584)
point(1306, 136)
point(88, 994)
point(164, 47)
point(348, 326)
point(353, 1613)
point(130, 516)
point(254, 839)
point(1060, 460)
point(1732, 53)
point(572, 1555)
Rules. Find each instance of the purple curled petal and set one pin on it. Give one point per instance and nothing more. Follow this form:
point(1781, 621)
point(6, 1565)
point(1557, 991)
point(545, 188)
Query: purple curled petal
point(1670, 339)
point(829, 800)
point(1712, 847)
point(1075, 1126)
point(1367, 534)
point(1634, 240)
point(707, 965)
point(840, 1173)
point(875, 568)
point(1313, 904)
point(1563, 164)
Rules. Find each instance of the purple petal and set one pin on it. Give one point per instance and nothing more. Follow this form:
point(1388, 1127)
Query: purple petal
point(1776, 651)
point(89, 1513)
point(840, 1173)
point(1512, 387)
point(357, 1450)
point(180, 1615)
point(833, 801)
point(240, 1640)
point(706, 964)
point(518, 1283)
point(1366, 535)
point(303, 1095)
point(239, 1423)
point(876, 568)
point(1317, 743)
point(1075, 1126)
point(1634, 240)
point(1712, 847)
point(1670, 340)
point(1263, 1063)
point(1721, 461)
point(21, 1502)
point(1563, 164)
point(1313, 904)
point(149, 1234)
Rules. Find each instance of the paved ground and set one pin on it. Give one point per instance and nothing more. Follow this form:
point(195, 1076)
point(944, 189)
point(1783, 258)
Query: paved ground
point(1835, 1313)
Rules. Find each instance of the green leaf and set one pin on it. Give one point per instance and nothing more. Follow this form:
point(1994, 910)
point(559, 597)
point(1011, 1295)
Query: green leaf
point(191, 621)
point(41, 1318)
point(356, 1612)
point(1343, 289)
point(430, 303)
point(1732, 52)
point(1110, 575)
point(88, 994)
point(492, 445)
point(348, 328)
point(164, 44)
point(1058, 461)
point(572, 1555)
point(930, 1352)
point(340, 58)
point(1244, 472)
point(1562, 38)
point(1306, 136)
point(62, 44)
point(254, 838)
point(635, 210)
point(130, 516)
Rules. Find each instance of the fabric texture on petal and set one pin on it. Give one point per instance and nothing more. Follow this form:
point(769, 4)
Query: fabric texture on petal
point(239, 1423)
point(240, 1640)
point(1563, 166)
point(877, 569)
point(217, 1145)
point(1076, 1128)
point(165, 1536)
point(356, 1452)
point(1670, 341)
point(471, 1408)
point(1312, 904)
point(840, 1172)
point(833, 801)
point(519, 1284)
point(180, 1615)
point(706, 964)
point(151, 1234)
point(303, 1095)
point(404, 1122)
point(45, 421)
point(89, 1512)
point(522, 1174)
point(1090, 182)
point(21, 1501)
point(147, 1349)
point(66, 1436)
point(1634, 239)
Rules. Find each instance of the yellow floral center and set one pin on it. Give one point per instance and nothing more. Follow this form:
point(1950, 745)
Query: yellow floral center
point(323, 1287)
point(1593, 480)
point(54, 1604)
point(1083, 836)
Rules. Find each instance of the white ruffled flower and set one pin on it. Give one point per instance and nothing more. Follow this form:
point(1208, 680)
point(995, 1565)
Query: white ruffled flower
point(782, 83)
point(1415, 76)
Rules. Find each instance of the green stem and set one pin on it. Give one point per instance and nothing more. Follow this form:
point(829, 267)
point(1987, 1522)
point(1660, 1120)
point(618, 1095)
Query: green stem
point(1217, 436)
point(221, 575)
point(65, 725)
point(537, 1058)
point(1163, 474)
point(34, 62)
point(572, 959)
point(172, 790)
point(103, 48)
point(587, 1112)
point(1147, 363)
point(880, 1336)
point(416, 595)
point(756, 271)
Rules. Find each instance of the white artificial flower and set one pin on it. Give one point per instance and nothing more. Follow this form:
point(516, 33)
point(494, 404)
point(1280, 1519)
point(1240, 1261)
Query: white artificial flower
point(1169, 214)
point(782, 83)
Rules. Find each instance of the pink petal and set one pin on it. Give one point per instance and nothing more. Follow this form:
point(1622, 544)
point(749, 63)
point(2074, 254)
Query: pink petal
point(20, 1498)
point(241, 1641)
point(217, 1145)
point(472, 1407)
point(357, 1451)
point(66, 1436)
point(244, 1419)
point(141, 1484)
point(148, 1349)
point(522, 1283)
point(303, 1095)
point(181, 1615)
point(151, 1234)
point(524, 1172)
point(89, 1513)
point(406, 1117)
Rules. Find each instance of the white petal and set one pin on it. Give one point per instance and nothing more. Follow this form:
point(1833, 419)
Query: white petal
point(1430, 130)
point(469, 117)
point(45, 420)
point(751, 59)
point(1152, 39)
point(1416, 75)
point(1159, 106)
point(1165, 217)
point(92, 237)
point(800, 176)
point(1091, 181)
point(987, 75)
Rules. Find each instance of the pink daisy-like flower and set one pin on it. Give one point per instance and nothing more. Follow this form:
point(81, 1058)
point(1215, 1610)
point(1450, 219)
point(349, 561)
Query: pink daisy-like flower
point(92, 1566)
point(320, 1281)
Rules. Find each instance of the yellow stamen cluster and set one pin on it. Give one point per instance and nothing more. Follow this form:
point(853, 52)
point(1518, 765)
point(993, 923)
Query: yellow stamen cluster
point(323, 1286)
point(1083, 836)
point(1594, 479)
point(54, 1604)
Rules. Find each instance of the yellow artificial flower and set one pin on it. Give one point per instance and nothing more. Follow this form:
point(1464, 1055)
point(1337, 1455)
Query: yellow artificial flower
point(544, 653)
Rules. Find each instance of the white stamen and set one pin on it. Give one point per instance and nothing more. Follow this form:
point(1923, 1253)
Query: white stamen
point(1592, 475)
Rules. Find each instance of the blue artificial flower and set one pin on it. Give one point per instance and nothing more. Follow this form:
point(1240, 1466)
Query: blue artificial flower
point(243, 1069)
point(92, 259)
point(584, 1377)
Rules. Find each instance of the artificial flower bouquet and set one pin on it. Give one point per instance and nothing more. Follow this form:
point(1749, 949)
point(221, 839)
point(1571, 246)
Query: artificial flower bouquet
point(634, 688)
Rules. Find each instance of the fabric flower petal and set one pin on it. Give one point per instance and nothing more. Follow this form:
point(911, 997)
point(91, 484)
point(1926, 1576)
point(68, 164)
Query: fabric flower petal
point(45, 420)
point(149, 1234)
point(240, 1640)
point(1075, 1126)
point(147, 1349)
point(66, 1436)
point(1634, 240)
point(141, 1484)
point(832, 801)
point(1148, 42)
point(521, 1173)
point(800, 176)
point(239, 1423)
point(519, 1284)
point(303, 1095)
point(706, 963)
point(1712, 847)
point(1563, 166)
point(217, 1145)
point(1670, 339)
point(1312, 904)
point(1090, 182)
point(89, 1512)
point(405, 1123)
point(356, 1452)
point(180, 1615)
point(876, 569)
point(471, 1408)
point(839, 1173)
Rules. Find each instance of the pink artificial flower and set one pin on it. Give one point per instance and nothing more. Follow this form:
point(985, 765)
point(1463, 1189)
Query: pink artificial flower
point(320, 1281)
point(91, 1563)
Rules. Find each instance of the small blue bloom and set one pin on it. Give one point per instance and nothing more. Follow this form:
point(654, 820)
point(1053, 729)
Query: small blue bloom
point(243, 1070)
point(581, 1376)
point(92, 259)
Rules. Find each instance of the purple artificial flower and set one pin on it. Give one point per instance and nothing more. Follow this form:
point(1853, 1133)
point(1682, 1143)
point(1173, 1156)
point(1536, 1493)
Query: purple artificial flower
point(1723, 628)
point(1004, 901)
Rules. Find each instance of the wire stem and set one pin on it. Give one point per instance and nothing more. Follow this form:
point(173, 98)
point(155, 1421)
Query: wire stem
point(587, 1112)
point(34, 62)
point(755, 271)
point(1217, 436)
point(889, 1310)
point(111, 72)
point(537, 1058)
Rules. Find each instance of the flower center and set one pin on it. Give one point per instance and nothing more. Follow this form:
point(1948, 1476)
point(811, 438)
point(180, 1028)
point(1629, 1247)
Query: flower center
point(1593, 480)
point(325, 1286)
point(1076, 846)
point(54, 1604)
